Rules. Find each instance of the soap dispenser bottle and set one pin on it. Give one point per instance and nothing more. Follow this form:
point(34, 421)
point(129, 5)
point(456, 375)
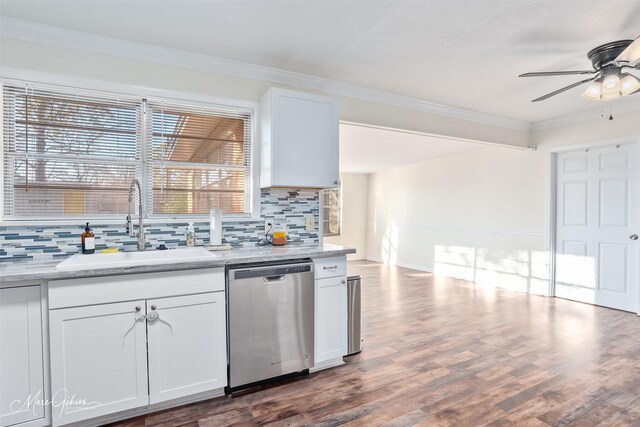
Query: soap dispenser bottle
point(88, 241)
point(191, 236)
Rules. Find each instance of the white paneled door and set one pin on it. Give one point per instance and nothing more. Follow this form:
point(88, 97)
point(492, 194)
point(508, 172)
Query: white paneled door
point(186, 341)
point(597, 225)
point(331, 318)
point(21, 357)
point(98, 360)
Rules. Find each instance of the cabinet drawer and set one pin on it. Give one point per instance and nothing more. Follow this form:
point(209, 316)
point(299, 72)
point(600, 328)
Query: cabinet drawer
point(330, 267)
point(107, 289)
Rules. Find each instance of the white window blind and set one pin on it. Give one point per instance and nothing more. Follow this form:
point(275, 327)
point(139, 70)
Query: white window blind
point(200, 158)
point(68, 154)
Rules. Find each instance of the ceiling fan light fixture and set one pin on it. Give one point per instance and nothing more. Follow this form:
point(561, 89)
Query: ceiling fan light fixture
point(610, 87)
point(607, 81)
point(611, 82)
point(610, 96)
point(593, 92)
point(629, 84)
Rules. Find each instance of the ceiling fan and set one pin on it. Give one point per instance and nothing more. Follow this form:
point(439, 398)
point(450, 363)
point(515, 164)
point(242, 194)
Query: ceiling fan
point(608, 81)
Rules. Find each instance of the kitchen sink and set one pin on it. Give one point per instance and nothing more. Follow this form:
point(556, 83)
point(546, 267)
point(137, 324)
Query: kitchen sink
point(132, 259)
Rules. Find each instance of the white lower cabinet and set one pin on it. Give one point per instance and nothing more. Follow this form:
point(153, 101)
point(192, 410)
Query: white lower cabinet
point(22, 384)
point(187, 346)
point(99, 358)
point(331, 339)
point(117, 356)
point(331, 311)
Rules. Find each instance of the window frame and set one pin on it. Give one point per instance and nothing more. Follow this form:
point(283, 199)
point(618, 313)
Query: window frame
point(150, 108)
point(98, 88)
point(323, 208)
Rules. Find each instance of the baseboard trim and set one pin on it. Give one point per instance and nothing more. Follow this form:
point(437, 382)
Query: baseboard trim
point(415, 267)
point(132, 413)
point(402, 264)
point(331, 363)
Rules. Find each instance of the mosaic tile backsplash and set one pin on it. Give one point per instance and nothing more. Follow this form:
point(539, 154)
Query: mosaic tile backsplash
point(282, 206)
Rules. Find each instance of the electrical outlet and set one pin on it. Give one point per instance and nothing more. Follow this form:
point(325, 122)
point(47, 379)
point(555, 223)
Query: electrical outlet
point(268, 224)
point(311, 222)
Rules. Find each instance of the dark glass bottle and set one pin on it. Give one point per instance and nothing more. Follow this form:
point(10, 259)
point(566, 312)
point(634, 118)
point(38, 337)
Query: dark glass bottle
point(88, 241)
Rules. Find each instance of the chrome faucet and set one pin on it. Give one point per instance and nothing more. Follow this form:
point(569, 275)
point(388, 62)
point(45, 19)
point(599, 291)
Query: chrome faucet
point(141, 242)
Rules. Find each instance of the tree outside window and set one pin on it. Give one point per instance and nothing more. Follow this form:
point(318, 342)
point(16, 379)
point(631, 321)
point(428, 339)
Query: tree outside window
point(74, 154)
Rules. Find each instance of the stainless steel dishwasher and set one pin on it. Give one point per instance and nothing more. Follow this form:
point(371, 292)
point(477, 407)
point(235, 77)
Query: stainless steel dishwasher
point(270, 322)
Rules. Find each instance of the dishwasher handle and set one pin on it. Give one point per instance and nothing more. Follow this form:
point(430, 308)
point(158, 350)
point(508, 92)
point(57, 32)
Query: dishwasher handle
point(271, 279)
point(270, 271)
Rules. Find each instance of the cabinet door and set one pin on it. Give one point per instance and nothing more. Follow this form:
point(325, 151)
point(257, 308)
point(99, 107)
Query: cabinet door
point(305, 140)
point(21, 356)
point(187, 345)
point(331, 318)
point(98, 360)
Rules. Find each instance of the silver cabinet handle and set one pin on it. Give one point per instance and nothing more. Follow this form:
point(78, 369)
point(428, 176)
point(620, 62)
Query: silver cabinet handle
point(344, 281)
point(634, 237)
point(154, 316)
point(137, 318)
point(331, 267)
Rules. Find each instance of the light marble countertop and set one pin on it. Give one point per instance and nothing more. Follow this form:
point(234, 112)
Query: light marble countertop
point(34, 270)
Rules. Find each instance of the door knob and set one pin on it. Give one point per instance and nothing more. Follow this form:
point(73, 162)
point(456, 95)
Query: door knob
point(634, 237)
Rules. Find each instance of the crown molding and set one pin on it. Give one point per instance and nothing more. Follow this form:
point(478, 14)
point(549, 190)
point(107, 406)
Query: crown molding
point(618, 107)
point(61, 37)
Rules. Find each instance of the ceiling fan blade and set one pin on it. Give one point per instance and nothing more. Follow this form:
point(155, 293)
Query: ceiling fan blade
point(555, 92)
point(631, 54)
point(556, 73)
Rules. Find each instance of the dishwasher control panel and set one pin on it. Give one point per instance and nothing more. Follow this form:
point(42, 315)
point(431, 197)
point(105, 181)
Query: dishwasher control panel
point(271, 271)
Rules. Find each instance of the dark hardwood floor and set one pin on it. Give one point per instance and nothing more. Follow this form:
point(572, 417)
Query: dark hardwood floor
point(441, 351)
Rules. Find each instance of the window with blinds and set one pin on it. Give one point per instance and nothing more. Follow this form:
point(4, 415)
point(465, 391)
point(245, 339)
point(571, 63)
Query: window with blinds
point(331, 211)
point(200, 159)
point(67, 155)
point(73, 154)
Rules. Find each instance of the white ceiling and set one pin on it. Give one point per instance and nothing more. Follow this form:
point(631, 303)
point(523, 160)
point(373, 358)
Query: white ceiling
point(465, 54)
point(365, 149)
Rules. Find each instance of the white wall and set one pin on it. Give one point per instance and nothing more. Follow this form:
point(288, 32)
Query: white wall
point(623, 125)
point(481, 215)
point(475, 215)
point(355, 194)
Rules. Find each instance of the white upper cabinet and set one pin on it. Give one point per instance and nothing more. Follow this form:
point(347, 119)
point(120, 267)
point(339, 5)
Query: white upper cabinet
point(299, 140)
